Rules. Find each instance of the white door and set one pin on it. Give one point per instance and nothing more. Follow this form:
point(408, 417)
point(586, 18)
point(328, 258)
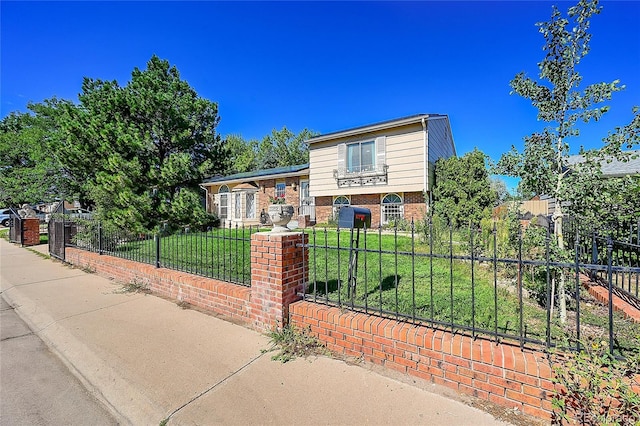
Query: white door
point(307, 203)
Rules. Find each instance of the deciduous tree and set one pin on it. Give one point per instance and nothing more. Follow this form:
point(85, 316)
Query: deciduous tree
point(283, 148)
point(29, 167)
point(556, 94)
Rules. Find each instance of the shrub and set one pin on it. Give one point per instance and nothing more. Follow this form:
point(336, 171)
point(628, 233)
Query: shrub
point(594, 388)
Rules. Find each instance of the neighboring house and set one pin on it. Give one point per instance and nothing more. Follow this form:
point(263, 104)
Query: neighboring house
point(614, 168)
point(544, 205)
point(387, 167)
point(240, 198)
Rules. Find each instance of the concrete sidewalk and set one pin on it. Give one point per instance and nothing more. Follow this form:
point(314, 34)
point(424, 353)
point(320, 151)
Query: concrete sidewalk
point(147, 360)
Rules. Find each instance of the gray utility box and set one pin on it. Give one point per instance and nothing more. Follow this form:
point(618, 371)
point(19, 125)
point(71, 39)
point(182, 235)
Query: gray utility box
point(354, 218)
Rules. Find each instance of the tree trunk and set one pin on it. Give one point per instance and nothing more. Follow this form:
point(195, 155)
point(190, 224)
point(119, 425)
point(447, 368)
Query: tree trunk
point(557, 220)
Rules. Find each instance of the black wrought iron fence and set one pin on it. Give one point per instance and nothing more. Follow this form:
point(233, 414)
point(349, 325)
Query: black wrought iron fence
point(458, 281)
point(625, 251)
point(221, 253)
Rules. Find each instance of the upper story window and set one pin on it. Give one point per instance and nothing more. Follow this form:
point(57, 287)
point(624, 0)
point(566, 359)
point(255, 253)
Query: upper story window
point(362, 163)
point(361, 157)
point(280, 190)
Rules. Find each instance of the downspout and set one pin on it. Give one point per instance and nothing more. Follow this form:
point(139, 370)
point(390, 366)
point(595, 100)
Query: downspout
point(425, 154)
point(206, 198)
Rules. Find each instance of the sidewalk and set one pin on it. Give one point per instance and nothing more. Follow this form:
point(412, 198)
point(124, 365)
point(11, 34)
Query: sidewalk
point(147, 360)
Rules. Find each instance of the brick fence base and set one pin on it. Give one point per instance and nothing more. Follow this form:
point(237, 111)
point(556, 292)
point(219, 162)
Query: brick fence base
point(223, 298)
point(501, 373)
point(278, 274)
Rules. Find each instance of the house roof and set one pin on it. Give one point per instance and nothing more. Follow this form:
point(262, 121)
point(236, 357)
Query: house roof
point(276, 172)
point(613, 167)
point(412, 119)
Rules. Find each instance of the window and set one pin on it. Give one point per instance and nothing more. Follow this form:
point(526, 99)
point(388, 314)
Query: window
point(392, 208)
point(223, 206)
point(304, 190)
point(280, 189)
point(361, 163)
point(250, 202)
point(338, 203)
point(361, 157)
point(238, 206)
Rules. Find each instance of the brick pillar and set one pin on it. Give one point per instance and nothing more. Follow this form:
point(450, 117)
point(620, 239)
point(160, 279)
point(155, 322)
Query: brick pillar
point(279, 270)
point(31, 231)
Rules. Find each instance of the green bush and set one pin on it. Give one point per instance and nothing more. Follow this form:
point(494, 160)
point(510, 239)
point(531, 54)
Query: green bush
point(594, 388)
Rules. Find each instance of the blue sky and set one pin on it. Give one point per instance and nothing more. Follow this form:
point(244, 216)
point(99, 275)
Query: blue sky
point(325, 66)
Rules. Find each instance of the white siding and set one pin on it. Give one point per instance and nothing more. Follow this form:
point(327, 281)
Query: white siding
point(404, 157)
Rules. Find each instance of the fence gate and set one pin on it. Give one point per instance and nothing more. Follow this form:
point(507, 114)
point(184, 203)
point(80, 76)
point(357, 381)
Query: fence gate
point(15, 227)
point(56, 230)
point(56, 237)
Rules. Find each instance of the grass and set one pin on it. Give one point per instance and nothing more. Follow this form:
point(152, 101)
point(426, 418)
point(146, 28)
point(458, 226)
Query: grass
point(134, 287)
point(291, 342)
point(416, 286)
point(220, 253)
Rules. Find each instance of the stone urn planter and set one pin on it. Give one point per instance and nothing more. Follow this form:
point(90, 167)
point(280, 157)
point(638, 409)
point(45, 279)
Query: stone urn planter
point(280, 215)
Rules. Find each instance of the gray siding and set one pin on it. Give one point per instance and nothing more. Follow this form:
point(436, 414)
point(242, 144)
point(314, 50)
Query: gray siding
point(440, 145)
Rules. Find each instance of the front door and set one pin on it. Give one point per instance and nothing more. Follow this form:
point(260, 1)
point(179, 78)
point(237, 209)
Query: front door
point(307, 203)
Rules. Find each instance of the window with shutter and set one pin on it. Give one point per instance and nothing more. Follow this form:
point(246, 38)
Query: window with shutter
point(362, 163)
point(361, 157)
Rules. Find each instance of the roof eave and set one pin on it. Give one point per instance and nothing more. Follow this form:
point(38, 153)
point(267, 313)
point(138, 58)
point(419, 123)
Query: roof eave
point(414, 119)
point(258, 178)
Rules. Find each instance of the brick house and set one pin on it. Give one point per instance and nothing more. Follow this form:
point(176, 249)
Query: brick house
point(387, 167)
point(240, 198)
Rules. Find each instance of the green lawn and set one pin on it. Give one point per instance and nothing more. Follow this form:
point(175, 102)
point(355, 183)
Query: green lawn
point(417, 285)
point(223, 254)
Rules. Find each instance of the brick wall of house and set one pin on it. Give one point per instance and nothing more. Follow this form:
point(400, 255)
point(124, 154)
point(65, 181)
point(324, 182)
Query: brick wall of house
point(501, 373)
point(324, 209)
point(414, 206)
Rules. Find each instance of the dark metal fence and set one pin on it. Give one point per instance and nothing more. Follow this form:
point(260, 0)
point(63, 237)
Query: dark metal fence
point(16, 231)
point(223, 253)
point(625, 251)
point(476, 281)
point(457, 280)
point(59, 232)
